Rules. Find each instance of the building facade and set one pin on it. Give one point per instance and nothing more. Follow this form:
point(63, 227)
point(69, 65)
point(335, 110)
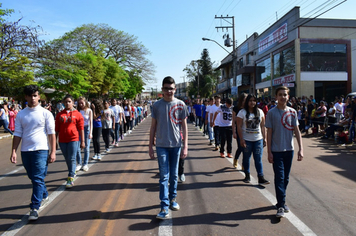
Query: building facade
point(310, 56)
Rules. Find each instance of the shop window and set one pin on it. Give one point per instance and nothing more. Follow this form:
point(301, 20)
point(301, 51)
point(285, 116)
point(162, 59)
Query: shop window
point(323, 57)
point(284, 63)
point(263, 71)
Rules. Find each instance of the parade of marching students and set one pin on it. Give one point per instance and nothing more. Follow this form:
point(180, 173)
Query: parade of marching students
point(111, 126)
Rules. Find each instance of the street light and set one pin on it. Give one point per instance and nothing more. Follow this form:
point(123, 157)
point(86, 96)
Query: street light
point(206, 39)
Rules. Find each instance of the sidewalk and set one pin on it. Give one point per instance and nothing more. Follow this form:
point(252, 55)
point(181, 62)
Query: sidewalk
point(4, 135)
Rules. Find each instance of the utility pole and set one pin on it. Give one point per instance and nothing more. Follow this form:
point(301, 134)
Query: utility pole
point(230, 25)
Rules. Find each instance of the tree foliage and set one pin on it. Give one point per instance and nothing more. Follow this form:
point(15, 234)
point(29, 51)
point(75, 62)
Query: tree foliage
point(18, 46)
point(203, 71)
point(122, 47)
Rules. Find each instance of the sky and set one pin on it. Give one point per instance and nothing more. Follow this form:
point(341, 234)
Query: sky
point(171, 30)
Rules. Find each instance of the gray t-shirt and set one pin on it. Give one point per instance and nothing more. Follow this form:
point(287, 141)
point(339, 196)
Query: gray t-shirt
point(169, 116)
point(282, 123)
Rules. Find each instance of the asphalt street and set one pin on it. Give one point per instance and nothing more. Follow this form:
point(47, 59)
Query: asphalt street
point(119, 195)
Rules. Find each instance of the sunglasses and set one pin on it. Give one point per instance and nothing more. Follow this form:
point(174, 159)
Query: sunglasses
point(168, 89)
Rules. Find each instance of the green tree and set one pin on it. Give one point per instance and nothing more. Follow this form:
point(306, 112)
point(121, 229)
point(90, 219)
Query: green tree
point(18, 46)
point(125, 49)
point(136, 85)
point(203, 71)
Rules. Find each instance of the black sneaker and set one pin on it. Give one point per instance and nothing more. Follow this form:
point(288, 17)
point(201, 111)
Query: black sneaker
point(247, 178)
point(262, 180)
point(33, 215)
point(280, 212)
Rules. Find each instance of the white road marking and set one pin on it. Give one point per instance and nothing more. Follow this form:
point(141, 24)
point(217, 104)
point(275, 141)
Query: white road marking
point(15, 228)
point(12, 172)
point(303, 228)
point(165, 227)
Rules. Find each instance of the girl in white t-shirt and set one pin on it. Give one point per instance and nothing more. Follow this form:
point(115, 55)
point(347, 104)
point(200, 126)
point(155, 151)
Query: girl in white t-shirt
point(87, 113)
point(251, 130)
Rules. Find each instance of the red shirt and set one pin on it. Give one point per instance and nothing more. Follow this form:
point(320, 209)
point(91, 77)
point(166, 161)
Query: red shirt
point(68, 125)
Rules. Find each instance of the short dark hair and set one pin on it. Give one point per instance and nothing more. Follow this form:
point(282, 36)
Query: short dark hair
point(168, 80)
point(217, 96)
point(68, 96)
point(282, 88)
point(30, 89)
point(229, 101)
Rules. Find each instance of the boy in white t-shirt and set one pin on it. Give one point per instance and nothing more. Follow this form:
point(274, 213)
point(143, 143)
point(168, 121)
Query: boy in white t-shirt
point(34, 125)
point(225, 121)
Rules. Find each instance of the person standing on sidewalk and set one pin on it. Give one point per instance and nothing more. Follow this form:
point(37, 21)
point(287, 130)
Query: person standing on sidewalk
point(169, 118)
point(281, 122)
point(225, 112)
point(34, 125)
point(69, 126)
point(251, 129)
point(236, 109)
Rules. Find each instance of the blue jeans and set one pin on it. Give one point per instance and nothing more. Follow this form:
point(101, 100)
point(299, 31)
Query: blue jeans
point(86, 149)
point(115, 133)
point(210, 132)
point(36, 163)
point(256, 148)
point(282, 163)
point(6, 126)
point(168, 159)
point(69, 151)
point(198, 121)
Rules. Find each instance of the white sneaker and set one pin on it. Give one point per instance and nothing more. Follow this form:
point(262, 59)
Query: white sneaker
point(125, 134)
point(99, 157)
point(85, 168)
point(108, 150)
point(95, 157)
point(78, 168)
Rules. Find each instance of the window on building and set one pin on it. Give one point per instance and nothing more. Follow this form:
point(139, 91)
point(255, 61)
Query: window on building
point(284, 63)
point(323, 57)
point(263, 71)
point(247, 59)
point(241, 62)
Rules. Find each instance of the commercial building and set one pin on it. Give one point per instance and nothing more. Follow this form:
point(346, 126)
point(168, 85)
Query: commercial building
point(311, 56)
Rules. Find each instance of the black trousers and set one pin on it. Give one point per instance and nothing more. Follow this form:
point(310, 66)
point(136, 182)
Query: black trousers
point(106, 137)
point(181, 166)
point(226, 137)
point(217, 135)
point(96, 139)
point(127, 124)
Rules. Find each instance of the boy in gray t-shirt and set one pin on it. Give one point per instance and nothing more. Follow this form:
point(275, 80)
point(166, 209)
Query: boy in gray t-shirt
point(169, 117)
point(281, 122)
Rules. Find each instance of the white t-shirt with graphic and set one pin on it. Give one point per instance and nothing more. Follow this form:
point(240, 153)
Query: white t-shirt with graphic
point(251, 127)
point(225, 115)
